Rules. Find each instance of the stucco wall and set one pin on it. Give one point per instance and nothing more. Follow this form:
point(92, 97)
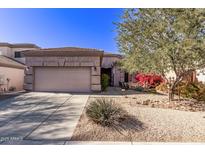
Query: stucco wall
point(15, 75)
point(118, 75)
point(170, 74)
point(108, 62)
point(200, 75)
point(6, 51)
point(92, 62)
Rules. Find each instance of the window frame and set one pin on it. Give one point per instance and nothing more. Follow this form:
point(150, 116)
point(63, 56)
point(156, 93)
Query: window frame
point(17, 54)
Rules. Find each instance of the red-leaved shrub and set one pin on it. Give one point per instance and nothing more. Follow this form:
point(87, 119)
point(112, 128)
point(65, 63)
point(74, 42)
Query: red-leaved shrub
point(148, 80)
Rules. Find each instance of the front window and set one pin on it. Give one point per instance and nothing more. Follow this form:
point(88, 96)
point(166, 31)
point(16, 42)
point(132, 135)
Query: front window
point(17, 54)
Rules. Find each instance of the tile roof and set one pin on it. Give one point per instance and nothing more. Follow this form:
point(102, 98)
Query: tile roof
point(64, 51)
point(8, 62)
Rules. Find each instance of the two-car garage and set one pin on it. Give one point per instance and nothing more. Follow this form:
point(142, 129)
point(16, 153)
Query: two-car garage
point(62, 79)
point(67, 69)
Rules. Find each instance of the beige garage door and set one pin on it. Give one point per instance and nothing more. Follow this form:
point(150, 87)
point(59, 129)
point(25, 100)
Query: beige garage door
point(65, 79)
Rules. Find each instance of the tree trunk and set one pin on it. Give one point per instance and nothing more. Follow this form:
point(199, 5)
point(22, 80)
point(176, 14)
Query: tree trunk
point(172, 89)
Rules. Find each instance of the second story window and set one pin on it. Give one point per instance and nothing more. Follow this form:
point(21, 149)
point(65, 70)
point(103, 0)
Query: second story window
point(18, 54)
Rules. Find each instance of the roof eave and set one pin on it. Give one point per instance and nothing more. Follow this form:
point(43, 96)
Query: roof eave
point(44, 53)
point(12, 66)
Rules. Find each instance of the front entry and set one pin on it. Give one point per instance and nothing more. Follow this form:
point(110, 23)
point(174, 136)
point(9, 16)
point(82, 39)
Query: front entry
point(108, 71)
point(126, 77)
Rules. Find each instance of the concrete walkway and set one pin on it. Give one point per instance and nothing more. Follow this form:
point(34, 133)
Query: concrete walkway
point(40, 118)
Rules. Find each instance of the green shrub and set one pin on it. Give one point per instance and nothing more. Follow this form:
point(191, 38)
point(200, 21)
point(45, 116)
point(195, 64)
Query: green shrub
point(104, 112)
point(193, 90)
point(189, 90)
point(201, 94)
point(104, 81)
point(139, 89)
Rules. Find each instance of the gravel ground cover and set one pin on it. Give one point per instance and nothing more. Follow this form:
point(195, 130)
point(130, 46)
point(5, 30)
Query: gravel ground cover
point(146, 124)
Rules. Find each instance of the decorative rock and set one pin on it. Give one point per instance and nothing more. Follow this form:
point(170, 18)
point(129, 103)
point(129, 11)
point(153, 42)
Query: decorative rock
point(145, 102)
point(184, 105)
point(138, 102)
point(152, 105)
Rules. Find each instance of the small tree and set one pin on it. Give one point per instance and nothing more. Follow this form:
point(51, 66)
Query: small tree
point(163, 40)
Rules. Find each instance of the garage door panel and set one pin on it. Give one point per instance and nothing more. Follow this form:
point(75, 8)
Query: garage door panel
point(65, 79)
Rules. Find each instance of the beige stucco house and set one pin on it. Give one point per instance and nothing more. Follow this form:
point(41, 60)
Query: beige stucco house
point(70, 69)
point(67, 69)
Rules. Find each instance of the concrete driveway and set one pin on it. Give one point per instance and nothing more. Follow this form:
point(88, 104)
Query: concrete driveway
point(40, 118)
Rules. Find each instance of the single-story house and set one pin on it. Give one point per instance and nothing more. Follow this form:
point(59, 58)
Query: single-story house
point(11, 74)
point(70, 69)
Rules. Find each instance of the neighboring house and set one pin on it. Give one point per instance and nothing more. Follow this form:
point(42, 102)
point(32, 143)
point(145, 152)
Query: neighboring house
point(192, 76)
point(11, 74)
point(14, 50)
point(12, 65)
point(200, 75)
point(70, 69)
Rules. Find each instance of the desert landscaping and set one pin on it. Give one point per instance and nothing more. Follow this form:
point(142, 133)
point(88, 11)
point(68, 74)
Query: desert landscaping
point(145, 122)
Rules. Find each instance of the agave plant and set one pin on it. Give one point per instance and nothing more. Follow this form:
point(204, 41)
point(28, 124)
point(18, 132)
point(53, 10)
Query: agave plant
point(104, 112)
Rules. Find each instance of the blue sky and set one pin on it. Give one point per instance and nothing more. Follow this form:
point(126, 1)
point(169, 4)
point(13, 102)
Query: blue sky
point(91, 28)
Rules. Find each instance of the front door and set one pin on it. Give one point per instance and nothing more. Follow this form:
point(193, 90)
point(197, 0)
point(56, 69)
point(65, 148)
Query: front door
point(108, 71)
